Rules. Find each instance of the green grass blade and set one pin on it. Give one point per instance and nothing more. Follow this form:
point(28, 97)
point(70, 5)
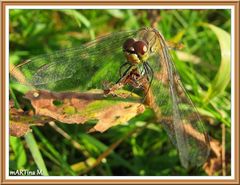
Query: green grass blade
point(19, 151)
point(116, 13)
point(32, 144)
point(64, 165)
point(222, 77)
point(79, 17)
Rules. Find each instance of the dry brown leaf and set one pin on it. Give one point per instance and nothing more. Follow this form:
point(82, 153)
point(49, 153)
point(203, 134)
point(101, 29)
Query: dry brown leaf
point(81, 107)
point(20, 121)
point(17, 126)
point(116, 115)
point(18, 129)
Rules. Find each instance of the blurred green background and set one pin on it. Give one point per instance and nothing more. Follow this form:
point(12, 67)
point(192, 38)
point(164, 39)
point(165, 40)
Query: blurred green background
point(64, 149)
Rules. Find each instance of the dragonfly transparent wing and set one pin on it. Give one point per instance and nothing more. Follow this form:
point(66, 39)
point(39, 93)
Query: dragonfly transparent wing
point(82, 68)
point(174, 108)
point(88, 66)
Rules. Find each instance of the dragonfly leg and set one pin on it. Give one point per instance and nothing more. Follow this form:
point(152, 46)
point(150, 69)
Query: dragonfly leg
point(125, 74)
point(120, 82)
point(121, 67)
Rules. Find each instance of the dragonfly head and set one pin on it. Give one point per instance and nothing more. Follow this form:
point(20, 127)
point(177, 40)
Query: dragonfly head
point(135, 51)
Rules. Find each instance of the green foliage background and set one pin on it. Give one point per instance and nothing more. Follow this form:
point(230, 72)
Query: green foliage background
point(148, 151)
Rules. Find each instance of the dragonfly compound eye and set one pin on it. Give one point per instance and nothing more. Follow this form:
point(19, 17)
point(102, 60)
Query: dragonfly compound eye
point(128, 45)
point(140, 47)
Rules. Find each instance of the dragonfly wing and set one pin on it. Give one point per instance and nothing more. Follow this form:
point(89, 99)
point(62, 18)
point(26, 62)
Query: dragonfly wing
point(83, 67)
point(175, 110)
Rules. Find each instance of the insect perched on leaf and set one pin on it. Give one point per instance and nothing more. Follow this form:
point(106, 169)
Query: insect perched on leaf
point(143, 60)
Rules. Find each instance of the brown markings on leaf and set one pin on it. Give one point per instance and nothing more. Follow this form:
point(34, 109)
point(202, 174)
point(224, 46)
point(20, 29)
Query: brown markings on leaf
point(76, 108)
point(68, 111)
point(64, 95)
point(116, 115)
point(18, 129)
point(20, 121)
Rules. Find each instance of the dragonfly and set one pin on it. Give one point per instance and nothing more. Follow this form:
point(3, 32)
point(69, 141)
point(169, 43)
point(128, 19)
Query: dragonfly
point(143, 58)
